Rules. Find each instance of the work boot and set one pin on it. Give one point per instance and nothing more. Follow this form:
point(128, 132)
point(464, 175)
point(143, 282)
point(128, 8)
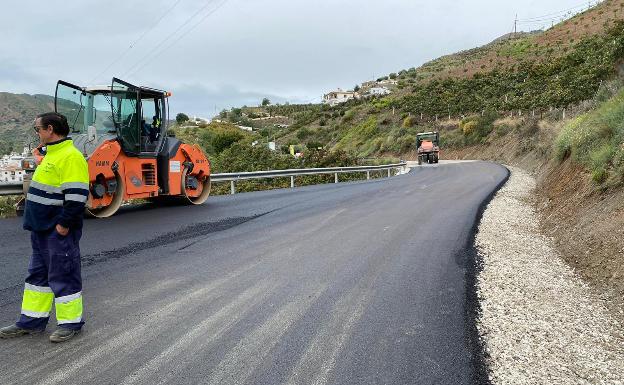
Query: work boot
point(16, 331)
point(63, 334)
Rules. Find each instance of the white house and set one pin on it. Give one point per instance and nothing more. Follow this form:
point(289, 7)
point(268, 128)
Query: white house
point(339, 96)
point(14, 159)
point(388, 82)
point(379, 91)
point(11, 167)
point(11, 174)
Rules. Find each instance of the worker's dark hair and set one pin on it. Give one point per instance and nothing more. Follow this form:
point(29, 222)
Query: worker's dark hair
point(57, 121)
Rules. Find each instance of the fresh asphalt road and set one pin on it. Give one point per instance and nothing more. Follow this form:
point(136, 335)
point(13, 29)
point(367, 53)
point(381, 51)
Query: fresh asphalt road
point(351, 283)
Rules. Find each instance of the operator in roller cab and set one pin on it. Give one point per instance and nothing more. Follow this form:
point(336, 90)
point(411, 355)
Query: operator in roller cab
point(53, 214)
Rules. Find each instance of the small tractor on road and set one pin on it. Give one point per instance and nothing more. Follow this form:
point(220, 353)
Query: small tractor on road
point(121, 129)
point(428, 144)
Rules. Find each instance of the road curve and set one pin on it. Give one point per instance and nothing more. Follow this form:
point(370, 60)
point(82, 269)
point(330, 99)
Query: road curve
point(354, 283)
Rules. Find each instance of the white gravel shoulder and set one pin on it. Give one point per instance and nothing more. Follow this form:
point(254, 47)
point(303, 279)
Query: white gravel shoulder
point(539, 322)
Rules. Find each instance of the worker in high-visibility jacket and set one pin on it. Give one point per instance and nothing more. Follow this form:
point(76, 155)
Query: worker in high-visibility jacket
point(54, 209)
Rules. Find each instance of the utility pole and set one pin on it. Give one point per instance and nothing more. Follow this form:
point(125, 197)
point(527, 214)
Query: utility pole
point(515, 25)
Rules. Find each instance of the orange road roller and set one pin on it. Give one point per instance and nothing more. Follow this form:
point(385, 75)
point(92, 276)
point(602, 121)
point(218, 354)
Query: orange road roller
point(122, 131)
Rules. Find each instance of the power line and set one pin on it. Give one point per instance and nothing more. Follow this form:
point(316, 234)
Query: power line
point(140, 63)
point(134, 43)
point(149, 60)
point(553, 15)
point(560, 17)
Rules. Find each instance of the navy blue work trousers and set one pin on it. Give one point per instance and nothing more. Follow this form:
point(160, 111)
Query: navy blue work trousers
point(54, 269)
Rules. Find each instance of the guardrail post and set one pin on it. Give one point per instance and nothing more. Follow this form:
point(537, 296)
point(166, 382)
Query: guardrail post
point(292, 181)
point(388, 173)
point(367, 175)
point(336, 177)
point(232, 188)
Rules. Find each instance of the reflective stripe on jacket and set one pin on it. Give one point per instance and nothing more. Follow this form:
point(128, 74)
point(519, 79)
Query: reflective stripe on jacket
point(59, 189)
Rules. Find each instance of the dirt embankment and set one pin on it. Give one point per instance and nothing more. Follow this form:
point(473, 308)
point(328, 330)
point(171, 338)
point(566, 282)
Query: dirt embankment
point(586, 223)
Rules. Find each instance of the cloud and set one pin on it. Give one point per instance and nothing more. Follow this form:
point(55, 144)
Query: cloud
point(18, 79)
point(293, 50)
point(206, 102)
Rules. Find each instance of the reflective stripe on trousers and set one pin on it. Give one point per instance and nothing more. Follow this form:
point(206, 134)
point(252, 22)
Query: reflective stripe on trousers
point(69, 309)
point(37, 301)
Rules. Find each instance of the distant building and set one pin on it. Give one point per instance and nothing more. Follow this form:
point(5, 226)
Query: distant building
point(11, 167)
point(339, 96)
point(14, 159)
point(200, 120)
point(388, 82)
point(378, 91)
point(271, 145)
point(11, 174)
point(368, 85)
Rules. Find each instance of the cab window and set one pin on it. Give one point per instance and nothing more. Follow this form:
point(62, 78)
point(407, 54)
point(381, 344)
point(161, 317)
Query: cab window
point(151, 122)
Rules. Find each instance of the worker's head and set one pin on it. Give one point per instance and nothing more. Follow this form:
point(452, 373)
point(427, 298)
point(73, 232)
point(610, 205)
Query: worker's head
point(51, 127)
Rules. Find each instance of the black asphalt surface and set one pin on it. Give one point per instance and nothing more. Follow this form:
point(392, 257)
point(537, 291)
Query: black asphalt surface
point(351, 283)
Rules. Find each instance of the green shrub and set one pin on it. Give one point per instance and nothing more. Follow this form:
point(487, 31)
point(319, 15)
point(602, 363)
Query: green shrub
point(314, 145)
point(348, 116)
point(407, 143)
point(222, 140)
point(181, 118)
point(468, 126)
point(383, 103)
point(600, 158)
point(476, 128)
point(599, 176)
point(7, 206)
point(303, 133)
point(594, 140)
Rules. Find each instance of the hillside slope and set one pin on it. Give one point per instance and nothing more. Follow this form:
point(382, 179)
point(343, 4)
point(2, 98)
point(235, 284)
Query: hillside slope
point(534, 46)
point(525, 73)
point(17, 112)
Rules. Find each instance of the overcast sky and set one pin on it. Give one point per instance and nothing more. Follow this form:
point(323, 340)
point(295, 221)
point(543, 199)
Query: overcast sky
point(215, 54)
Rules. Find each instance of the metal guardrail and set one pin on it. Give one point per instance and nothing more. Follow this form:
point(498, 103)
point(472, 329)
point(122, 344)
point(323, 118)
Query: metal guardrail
point(11, 189)
point(232, 177)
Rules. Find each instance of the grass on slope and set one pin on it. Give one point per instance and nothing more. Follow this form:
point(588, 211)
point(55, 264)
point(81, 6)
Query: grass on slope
point(596, 140)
